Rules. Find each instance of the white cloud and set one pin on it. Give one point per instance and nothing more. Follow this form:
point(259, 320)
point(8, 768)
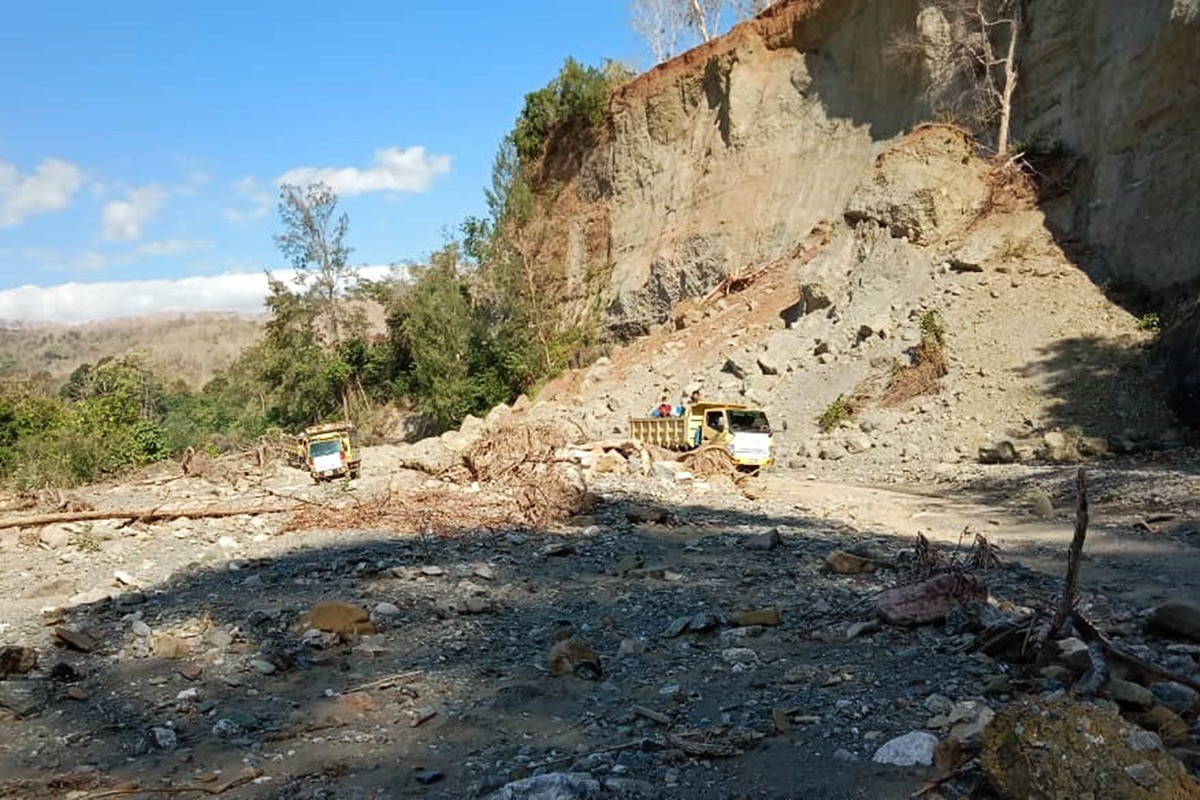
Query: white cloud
point(260, 201)
point(125, 219)
point(172, 247)
point(86, 302)
point(394, 170)
point(50, 187)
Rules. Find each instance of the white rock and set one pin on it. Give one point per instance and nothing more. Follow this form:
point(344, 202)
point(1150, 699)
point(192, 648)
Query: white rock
point(387, 610)
point(909, 750)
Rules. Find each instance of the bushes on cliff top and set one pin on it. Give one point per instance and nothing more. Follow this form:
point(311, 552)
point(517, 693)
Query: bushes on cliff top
point(578, 95)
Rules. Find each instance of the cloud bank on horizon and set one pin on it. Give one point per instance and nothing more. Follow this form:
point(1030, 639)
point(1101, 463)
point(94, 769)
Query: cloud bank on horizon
point(240, 292)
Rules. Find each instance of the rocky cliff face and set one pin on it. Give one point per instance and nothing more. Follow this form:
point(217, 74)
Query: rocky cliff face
point(728, 155)
point(725, 158)
point(1117, 84)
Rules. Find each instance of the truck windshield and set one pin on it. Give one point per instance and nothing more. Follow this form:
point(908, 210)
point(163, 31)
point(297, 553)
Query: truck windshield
point(329, 448)
point(748, 422)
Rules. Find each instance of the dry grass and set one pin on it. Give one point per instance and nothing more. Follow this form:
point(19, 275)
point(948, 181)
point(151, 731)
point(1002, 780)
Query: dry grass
point(187, 347)
point(922, 377)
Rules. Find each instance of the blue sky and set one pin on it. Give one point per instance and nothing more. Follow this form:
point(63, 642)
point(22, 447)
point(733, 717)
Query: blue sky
point(145, 140)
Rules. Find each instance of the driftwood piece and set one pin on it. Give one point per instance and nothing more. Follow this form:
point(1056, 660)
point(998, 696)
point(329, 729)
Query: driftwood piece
point(1074, 556)
point(143, 515)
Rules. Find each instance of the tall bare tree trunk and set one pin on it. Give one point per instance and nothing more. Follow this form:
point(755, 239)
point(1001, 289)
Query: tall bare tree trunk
point(700, 19)
point(1010, 85)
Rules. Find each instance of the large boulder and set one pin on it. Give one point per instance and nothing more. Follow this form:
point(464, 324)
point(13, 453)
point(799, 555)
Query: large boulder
point(927, 188)
point(1065, 750)
point(1178, 618)
point(428, 455)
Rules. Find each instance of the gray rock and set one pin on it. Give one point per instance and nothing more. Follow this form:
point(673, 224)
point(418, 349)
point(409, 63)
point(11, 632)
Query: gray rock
point(1175, 696)
point(1002, 452)
point(141, 629)
point(1139, 740)
point(387, 610)
point(1056, 447)
point(768, 364)
point(909, 750)
point(857, 442)
point(24, 698)
point(1177, 618)
point(55, 537)
point(164, 738)
point(968, 720)
point(262, 667)
point(735, 369)
point(766, 541)
point(1128, 694)
point(1040, 504)
point(552, 786)
point(832, 451)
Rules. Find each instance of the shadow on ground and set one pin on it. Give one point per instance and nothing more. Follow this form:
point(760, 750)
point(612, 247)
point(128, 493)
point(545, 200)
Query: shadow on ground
point(466, 695)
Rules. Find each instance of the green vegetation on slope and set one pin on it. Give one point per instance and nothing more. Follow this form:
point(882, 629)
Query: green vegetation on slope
point(476, 326)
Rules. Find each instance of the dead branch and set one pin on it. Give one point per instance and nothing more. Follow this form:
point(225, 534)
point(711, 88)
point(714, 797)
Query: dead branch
point(241, 780)
point(141, 515)
point(1074, 556)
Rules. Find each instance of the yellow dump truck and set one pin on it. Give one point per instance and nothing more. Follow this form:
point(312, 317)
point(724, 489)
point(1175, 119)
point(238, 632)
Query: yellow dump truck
point(327, 451)
point(743, 430)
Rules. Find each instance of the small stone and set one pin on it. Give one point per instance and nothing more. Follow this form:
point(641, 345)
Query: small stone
point(1128, 694)
point(1139, 740)
point(1144, 774)
point(262, 667)
point(938, 704)
point(997, 684)
point(24, 698)
point(344, 619)
point(76, 640)
point(219, 638)
point(168, 646)
point(573, 656)
point(1040, 504)
point(77, 693)
point(475, 605)
point(630, 647)
point(739, 655)
point(187, 695)
point(16, 660)
point(1170, 727)
point(190, 672)
point(841, 562)
point(911, 749)
point(767, 617)
point(429, 777)
point(164, 738)
point(125, 579)
point(226, 729)
point(856, 629)
point(141, 629)
point(432, 571)
point(387, 610)
point(766, 541)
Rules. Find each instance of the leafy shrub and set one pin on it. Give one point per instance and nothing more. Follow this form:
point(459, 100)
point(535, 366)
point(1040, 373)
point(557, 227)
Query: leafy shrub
point(1149, 322)
point(578, 95)
point(835, 414)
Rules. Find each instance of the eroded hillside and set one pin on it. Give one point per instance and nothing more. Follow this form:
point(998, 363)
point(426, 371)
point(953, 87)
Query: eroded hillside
point(725, 158)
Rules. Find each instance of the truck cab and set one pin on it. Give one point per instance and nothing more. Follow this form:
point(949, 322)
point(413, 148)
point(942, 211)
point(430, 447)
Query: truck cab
point(744, 431)
point(331, 451)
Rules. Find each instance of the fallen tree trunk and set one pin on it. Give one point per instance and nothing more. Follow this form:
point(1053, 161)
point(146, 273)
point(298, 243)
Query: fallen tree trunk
point(140, 515)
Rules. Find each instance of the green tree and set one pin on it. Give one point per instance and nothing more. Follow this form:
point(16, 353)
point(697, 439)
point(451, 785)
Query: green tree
point(314, 240)
point(438, 328)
